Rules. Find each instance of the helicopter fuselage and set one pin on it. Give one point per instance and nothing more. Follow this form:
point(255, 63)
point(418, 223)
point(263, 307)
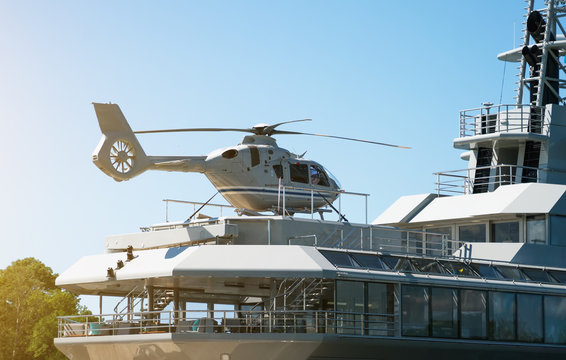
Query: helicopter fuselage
point(259, 175)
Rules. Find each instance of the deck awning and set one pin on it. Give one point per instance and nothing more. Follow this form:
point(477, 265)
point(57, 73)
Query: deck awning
point(533, 198)
point(175, 265)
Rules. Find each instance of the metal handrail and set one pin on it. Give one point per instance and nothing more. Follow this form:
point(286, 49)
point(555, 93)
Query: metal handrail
point(232, 321)
point(519, 118)
point(504, 175)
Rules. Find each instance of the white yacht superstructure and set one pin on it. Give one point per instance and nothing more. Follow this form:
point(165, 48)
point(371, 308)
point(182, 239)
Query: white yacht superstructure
point(475, 270)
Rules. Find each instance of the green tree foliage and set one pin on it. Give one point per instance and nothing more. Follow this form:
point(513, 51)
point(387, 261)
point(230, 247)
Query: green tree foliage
point(29, 306)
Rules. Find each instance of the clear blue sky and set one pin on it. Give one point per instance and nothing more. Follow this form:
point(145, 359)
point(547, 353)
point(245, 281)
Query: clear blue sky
point(390, 71)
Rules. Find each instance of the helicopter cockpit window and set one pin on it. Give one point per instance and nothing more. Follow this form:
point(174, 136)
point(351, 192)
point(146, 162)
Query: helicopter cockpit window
point(299, 173)
point(318, 176)
point(278, 171)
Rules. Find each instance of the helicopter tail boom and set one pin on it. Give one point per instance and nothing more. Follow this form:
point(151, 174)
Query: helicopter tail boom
point(120, 155)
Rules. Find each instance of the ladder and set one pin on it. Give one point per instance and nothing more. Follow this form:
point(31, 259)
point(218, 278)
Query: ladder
point(542, 59)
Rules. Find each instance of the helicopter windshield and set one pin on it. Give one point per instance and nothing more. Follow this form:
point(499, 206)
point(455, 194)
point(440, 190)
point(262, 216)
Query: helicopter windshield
point(318, 176)
point(333, 179)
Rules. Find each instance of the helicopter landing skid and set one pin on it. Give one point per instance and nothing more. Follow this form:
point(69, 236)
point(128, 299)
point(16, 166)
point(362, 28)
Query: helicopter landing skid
point(288, 211)
point(292, 211)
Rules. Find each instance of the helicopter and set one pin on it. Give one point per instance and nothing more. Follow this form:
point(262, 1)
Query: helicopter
point(250, 175)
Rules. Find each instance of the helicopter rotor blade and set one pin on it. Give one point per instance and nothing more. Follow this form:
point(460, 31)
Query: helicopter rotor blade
point(269, 129)
point(189, 130)
point(282, 132)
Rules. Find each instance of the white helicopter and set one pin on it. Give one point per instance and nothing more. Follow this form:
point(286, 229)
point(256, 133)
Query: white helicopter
point(249, 175)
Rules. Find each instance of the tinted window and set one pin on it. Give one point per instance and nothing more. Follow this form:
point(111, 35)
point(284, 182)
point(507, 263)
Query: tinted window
point(428, 266)
point(529, 318)
point(558, 275)
point(501, 316)
point(339, 258)
point(472, 233)
point(381, 306)
point(537, 275)
point(536, 229)
point(349, 299)
point(473, 314)
point(555, 320)
point(511, 273)
point(444, 312)
point(457, 268)
point(487, 271)
point(369, 261)
point(405, 265)
point(505, 232)
point(390, 261)
point(415, 310)
point(299, 173)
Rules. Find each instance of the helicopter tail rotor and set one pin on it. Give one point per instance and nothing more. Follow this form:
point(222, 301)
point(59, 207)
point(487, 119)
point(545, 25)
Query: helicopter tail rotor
point(118, 154)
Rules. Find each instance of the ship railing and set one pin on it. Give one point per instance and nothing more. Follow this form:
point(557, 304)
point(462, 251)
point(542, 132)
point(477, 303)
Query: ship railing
point(383, 239)
point(311, 192)
point(484, 178)
point(504, 118)
point(232, 321)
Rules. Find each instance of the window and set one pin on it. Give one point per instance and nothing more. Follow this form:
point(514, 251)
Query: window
point(473, 314)
point(338, 258)
point(536, 229)
point(369, 261)
point(511, 273)
point(505, 232)
point(349, 306)
point(501, 316)
point(414, 310)
point(457, 268)
point(471, 233)
point(538, 275)
point(391, 261)
point(428, 266)
point(444, 312)
point(529, 318)
point(555, 320)
point(380, 301)
point(318, 176)
point(487, 271)
point(299, 173)
point(558, 275)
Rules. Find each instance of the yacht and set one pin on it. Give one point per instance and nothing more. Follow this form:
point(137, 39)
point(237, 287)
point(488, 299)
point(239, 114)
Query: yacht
point(476, 269)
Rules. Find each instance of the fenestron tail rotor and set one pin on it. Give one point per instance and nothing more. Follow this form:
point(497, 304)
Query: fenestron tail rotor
point(118, 154)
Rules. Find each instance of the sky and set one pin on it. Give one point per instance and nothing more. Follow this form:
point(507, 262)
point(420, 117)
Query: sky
point(389, 71)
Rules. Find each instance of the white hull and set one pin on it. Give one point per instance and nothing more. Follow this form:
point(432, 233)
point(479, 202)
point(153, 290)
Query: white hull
point(293, 347)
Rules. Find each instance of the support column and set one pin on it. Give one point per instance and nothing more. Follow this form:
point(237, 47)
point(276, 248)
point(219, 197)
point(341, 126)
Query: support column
point(210, 310)
point(176, 305)
point(183, 308)
point(100, 307)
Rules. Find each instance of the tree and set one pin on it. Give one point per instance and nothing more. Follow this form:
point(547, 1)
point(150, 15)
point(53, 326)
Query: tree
point(29, 306)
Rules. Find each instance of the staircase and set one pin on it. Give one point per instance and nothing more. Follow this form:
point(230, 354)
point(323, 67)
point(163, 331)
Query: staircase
point(483, 170)
point(137, 296)
point(532, 156)
point(301, 294)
